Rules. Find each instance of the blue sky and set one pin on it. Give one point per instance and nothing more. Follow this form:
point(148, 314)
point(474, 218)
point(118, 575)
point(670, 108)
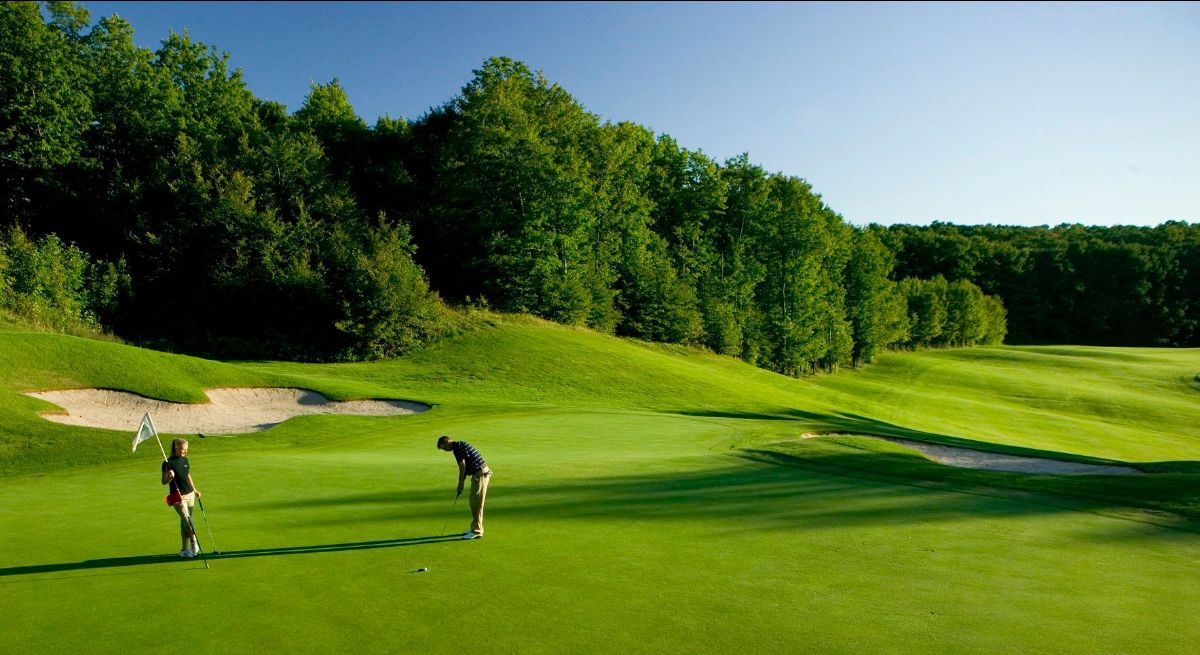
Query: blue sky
point(1003, 113)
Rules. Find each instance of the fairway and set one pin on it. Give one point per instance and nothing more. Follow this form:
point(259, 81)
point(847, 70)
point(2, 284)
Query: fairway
point(645, 499)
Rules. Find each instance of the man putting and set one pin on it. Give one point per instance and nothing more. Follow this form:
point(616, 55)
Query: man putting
point(471, 463)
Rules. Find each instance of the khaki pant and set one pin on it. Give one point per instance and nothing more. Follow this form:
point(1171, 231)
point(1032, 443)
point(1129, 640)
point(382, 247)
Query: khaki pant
point(479, 487)
point(185, 509)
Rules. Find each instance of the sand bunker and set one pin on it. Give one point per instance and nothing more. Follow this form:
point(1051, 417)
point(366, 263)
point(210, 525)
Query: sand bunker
point(230, 411)
point(978, 459)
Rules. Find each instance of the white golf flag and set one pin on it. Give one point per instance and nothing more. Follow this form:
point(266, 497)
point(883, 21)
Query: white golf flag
point(146, 431)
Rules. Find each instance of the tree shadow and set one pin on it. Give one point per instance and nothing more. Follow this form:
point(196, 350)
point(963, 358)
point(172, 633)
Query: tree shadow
point(142, 560)
point(833, 422)
point(1187, 467)
point(761, 489)
point(858, 425)
point(758, 490)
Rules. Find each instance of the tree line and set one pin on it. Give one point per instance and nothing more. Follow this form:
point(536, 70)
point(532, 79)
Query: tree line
point(1114, 286)
point(203, 219)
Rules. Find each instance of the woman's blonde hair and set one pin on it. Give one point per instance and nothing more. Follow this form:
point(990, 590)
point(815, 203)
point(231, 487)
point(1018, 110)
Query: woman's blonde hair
point(175, 444)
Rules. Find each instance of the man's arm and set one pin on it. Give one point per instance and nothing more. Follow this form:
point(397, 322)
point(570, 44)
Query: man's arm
point(462, 475)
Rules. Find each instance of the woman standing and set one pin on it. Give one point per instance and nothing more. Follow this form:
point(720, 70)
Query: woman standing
point(177, 472)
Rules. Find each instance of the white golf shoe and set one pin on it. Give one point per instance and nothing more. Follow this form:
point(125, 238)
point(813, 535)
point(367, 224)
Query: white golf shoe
point(186, 554)
point(471, 534)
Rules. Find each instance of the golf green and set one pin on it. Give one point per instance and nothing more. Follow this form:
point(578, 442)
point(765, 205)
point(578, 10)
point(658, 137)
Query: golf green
point(645, 499)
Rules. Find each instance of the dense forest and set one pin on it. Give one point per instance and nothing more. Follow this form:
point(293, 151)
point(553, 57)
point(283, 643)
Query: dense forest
point(152, 195)
point(1115, 286)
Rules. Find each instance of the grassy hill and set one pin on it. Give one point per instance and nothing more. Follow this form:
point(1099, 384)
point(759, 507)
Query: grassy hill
point(647, 498)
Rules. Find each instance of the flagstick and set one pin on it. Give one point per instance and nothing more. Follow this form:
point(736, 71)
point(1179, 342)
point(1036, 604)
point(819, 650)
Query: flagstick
point(156, 437)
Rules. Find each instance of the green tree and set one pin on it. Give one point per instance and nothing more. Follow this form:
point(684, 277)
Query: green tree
point(688, 193)
point(737, 272)
point(966, 315)
point(834, 259)
point(326, 112)
point(656, 304)
point(926, 310)
point(387, 307)
point(514, 180)
point(111, 201)
point(52, 284)
point(877, 311)
point(996, 317)
point(44, 102)
point(790, 242)
point(380, 180)
point(619, 232)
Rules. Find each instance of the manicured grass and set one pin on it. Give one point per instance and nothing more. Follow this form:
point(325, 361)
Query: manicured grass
point(646, 499)
point(1126, 404)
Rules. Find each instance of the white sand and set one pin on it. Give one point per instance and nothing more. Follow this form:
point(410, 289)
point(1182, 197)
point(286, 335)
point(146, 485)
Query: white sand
point(978, 459)
point(230, 411)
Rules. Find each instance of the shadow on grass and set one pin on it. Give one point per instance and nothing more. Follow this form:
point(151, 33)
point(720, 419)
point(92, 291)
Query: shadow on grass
point(836, 422)
point(1171, 499)
point(811, 486)
point(858, 425)
point(790, 487)
point(800, 488)
point(141, 560)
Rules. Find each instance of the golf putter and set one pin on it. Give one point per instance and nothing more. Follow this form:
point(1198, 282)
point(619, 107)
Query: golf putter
point(452, 508)
point(211, 540)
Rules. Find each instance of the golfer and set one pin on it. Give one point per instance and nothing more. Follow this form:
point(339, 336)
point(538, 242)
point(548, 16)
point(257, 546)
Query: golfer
point(177, 472)
point(471, 463)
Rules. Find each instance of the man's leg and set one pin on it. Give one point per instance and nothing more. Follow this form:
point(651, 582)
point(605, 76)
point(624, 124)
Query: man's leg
point(479, 485)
